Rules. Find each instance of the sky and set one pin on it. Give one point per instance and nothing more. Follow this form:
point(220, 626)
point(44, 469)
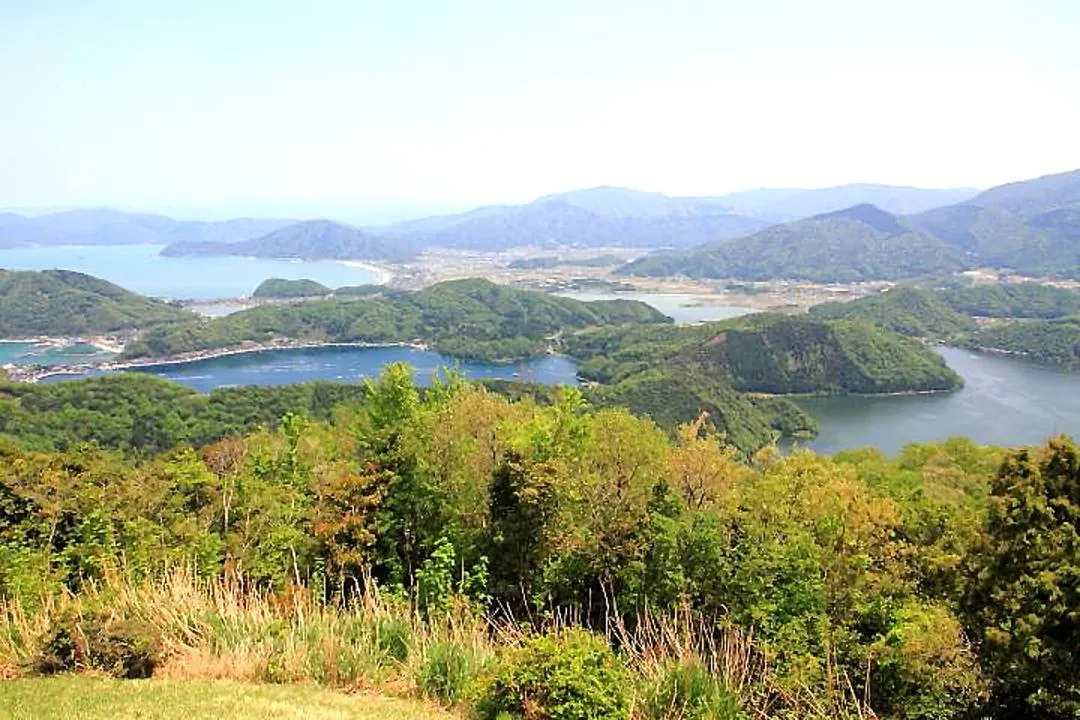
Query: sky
point(401, 106)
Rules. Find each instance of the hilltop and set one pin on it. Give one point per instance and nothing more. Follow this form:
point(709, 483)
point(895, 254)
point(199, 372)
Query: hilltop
point(858, 243)
point(66, 303)
point(1029, 227)
point(310, 240)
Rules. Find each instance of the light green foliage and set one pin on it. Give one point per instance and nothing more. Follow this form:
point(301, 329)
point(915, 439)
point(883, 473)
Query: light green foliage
point(66, 303)
point(562, 676)
point(910, 311)
point(687, 690)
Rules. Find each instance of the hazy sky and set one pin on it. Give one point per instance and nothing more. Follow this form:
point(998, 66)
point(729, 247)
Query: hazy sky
point(281, 105)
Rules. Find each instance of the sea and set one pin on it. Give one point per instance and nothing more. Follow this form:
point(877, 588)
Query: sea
point(142, 269)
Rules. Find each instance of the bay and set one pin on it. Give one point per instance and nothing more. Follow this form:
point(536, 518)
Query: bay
point(30, 353)
point(683, 308)
point(344, 364)
point(141, 269)
point(1004, 401)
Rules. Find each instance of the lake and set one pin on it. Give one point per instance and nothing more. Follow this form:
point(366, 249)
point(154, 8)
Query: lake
point(346, 364)
point(142, 269)
point(683, 308)
point(1005, 401)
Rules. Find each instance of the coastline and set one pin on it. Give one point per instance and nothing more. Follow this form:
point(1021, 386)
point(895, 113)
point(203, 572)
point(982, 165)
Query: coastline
point(383, 274)
point(35, 373)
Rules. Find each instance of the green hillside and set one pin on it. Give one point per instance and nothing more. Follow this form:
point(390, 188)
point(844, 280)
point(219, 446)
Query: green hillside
point(1030, 226)
point(282, 288)
point(769, 353)
point(1054, 342)
point(910, 311)
point(66, 303)
point(859, 243)
point(1012, 300)
point(464, 318)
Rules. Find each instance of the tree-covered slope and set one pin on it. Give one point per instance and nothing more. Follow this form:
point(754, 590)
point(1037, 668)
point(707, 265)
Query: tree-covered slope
point(465, 318)
point(915, 312)
point(1054, 342)
point(781, 354)
point(1031, 226)
point(769, 353)
point(282, 288)
point(859, 243)
point(64, 303)
point(1012, 300)
point(310, 240)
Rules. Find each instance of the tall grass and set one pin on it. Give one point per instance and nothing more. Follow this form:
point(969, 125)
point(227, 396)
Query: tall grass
point(220, 628)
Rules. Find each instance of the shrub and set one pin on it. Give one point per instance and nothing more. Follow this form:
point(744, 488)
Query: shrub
point(688, 691)
point(559, 676)
point(393, 636)
point(447, 671)
point(121, 648)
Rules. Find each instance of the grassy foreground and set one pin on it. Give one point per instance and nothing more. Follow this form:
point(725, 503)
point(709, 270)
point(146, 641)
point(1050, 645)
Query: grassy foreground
point(75, 697)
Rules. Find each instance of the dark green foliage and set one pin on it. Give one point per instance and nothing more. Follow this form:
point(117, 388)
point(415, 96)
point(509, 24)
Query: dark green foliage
point(282, 288)
point(1023, 605)
point(910, 311)
point(143, 413)
point(65, 303)
point(859, 243)
point(465, 318)
point(561, 676)
point(687, 690)
point(125, 649)
point(1056, 342)
point(309, 240)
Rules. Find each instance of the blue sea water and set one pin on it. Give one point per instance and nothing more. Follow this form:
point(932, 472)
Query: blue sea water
point(142, 269)
point(345, 364)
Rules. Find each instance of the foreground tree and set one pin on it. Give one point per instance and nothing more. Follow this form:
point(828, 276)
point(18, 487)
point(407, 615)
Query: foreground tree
point(1023, 605)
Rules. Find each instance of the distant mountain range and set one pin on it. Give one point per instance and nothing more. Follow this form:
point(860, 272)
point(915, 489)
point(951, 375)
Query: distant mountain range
point(596, 217)
point(1030, 227)
point(101, 226)
point(309, 240)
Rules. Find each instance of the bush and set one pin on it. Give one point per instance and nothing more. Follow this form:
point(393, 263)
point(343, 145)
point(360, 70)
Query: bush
point(560, 676)
point(447, 670)
point(688, 691)
point(393, 636)
point(121, 648)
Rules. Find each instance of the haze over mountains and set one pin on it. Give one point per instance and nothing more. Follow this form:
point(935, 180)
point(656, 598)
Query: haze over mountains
point(1031, 227)
point(847, 233)
point(593, 217)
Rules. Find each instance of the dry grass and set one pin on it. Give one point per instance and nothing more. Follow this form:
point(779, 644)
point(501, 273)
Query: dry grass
point(214, 630)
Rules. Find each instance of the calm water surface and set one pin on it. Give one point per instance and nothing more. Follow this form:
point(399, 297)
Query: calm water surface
point(281, 367)
point(141, 269)
point(1005, 401)
point(28, 353)
point(683, 308)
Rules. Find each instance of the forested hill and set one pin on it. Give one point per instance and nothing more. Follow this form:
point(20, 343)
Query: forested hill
point(1031, 227)
point(464, 318)
point(66, 303)
point(770, 353)
point(284, 289)
point(1035, 321)
point(310, 240)
point(859, 243)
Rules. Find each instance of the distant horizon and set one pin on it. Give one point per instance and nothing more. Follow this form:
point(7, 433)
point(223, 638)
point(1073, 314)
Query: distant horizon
point(397, 211)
